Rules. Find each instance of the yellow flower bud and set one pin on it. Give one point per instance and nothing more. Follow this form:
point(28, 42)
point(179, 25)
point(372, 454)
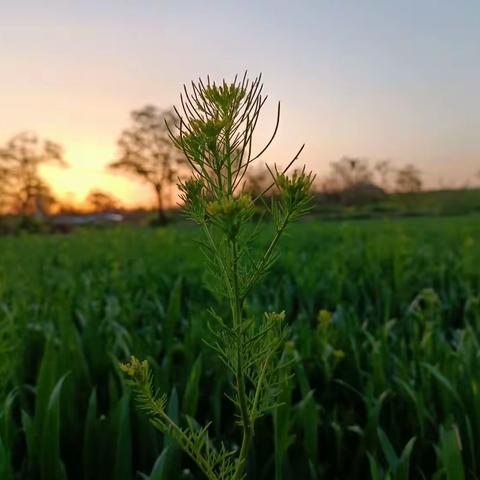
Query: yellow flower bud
point(339, 355)
point(324, 318)
point(135, 369)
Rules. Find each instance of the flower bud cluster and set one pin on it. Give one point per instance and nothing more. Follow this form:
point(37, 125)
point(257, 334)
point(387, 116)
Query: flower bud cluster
point(136, 370)
point(230, 212)
point(192, 195)
point(294, 189)
point(225, 97)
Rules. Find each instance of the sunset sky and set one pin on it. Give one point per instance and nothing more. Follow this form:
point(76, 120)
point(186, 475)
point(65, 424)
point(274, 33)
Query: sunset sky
point(377, 79)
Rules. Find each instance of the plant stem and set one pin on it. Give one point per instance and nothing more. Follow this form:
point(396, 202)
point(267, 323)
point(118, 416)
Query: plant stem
point(240, 378)
point(247, 430)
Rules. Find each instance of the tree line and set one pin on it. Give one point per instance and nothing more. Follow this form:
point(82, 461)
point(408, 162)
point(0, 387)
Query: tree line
point(146, 153)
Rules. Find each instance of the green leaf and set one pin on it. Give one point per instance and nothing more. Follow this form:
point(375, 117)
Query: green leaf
point(403, 467)
point(172, 461)
point(308, 412)
point(388, 450)
point(309, 416)
point(160, 467)
point(450, 455)
point(443, 381)
point(123, 450)
point(28, 428)
point(6, 472)
point(375, 469)
point(90, 444)
point(7, 422)
point(45, 384)
point(51, 465)
point(190, 397)
point(173, 314)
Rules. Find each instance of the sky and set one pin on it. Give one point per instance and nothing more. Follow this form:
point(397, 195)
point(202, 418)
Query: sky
point(376, 79)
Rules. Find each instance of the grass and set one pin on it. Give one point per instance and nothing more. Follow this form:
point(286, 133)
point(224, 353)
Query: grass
point(384, 329)
point(424, 203)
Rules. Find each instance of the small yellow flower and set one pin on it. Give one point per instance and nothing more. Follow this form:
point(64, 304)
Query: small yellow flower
point(229, 206)
point(290, 346)
point(469, 241)
point(324, 318)
point(275, 316)
point(339, 355)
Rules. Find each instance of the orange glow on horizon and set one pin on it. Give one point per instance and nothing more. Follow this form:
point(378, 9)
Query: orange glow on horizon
point(87, 171)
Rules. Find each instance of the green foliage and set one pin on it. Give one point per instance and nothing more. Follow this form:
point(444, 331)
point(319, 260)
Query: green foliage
point(426, 203)
point(449, 454)
point(192, 389)
point(8, 345)
point(6, 471)
point(51, 465)
point(383, 319)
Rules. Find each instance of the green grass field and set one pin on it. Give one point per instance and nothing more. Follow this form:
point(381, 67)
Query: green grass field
point(424, 203)
point(385, 326)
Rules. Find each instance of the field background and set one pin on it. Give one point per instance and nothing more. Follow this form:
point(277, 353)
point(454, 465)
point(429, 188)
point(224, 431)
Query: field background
point(393, 355)
point(422, 203)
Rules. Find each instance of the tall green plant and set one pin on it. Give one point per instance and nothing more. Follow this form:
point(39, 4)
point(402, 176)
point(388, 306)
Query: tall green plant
point(215, 133)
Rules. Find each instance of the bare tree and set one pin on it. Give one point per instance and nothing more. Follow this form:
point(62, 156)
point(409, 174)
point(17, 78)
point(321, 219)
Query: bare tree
point(147, 153)
point(5, 187)
point(101, 201)
point(409, 179)
point(23, 189)
point(384, 169)
point(347, 173)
